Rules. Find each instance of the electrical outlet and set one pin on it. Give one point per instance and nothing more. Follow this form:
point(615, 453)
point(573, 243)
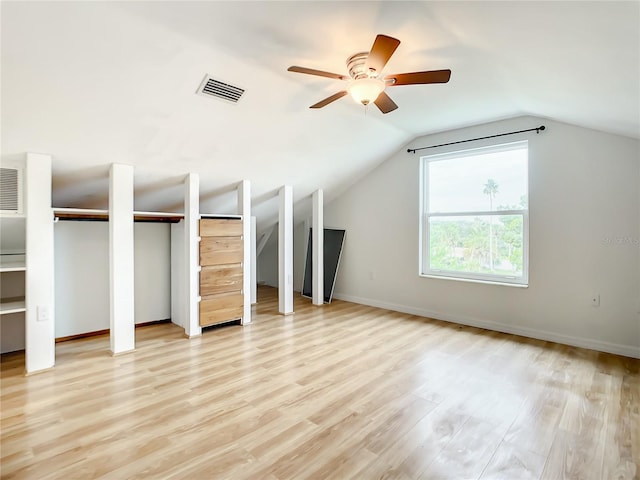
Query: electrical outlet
point(595, 300)
point(43, 313)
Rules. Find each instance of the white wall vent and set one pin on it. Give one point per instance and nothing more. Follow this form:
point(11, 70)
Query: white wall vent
point(10, 191)
point(210, 87)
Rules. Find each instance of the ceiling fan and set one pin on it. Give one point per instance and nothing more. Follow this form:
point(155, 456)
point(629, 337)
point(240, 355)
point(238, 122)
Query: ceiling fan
point(366, 82)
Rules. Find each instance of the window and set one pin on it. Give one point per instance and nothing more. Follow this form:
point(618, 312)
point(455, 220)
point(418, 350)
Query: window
point(475, 215)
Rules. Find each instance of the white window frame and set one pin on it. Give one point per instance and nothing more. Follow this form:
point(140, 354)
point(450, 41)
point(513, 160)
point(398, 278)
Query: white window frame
point(424, 253)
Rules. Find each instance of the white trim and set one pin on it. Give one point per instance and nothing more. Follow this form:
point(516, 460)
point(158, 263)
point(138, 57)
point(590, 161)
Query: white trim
point(244, 210)
point(317, 249)
point(191, 255)
point(490, 148)
point(285, 250)
point(455, 276)
point(598, 345)
point(485, 213)
point(253, 269)
point(220, 215)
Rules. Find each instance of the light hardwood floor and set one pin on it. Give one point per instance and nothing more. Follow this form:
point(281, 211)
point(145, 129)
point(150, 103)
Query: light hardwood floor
point(342, 391)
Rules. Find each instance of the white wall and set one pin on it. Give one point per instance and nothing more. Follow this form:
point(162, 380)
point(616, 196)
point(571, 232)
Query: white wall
point(300, 239)
point(152, 275)
point(267, 262)
point(82, 275)
point(584, 197)
point(12, 332)
point(267, 265)
point(178, 285)
point(12, 235)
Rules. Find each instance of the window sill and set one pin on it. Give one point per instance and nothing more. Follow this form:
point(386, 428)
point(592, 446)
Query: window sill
point(474, 280)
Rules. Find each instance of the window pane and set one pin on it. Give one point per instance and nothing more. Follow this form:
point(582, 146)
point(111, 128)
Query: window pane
point(479, 182)
point(485, 245)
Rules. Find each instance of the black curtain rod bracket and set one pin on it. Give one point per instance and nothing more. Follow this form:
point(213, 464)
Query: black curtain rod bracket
point(536, 129)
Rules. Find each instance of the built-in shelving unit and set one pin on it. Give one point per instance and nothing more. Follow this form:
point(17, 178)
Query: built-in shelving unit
point(12, 282)
point(12, 303)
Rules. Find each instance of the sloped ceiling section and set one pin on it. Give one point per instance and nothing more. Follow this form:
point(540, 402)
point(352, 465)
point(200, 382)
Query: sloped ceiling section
point(100, 82)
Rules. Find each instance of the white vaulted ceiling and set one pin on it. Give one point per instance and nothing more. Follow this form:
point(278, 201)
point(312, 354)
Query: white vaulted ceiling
point(94, 83)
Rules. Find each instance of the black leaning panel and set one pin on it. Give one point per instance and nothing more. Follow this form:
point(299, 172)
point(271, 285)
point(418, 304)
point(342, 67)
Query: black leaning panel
point(333, 241)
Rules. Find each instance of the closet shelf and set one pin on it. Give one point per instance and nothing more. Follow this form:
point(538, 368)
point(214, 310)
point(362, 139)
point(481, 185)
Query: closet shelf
point(103, 215)
point(12, 266)
point(80, 214)
point(12, 305)
point(168, 217)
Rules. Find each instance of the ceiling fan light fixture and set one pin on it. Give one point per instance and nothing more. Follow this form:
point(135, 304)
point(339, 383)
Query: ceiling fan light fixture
point(366, 90)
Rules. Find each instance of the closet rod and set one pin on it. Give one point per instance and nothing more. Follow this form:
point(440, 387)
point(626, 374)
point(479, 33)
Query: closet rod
point(536, 129)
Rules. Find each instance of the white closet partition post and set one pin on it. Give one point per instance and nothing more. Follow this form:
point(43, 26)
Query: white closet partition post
point(317, 254)
point(285, 251)
point(191, 250)
point(39, 286)
point(254, 260)
point(244, 209)
point(178, 287)
point(121, 279)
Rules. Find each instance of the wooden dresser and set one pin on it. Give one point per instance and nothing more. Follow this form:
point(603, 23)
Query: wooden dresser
point(221, 254)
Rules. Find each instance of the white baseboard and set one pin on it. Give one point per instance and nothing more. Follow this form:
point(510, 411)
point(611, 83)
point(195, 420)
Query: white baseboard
point(617, 349)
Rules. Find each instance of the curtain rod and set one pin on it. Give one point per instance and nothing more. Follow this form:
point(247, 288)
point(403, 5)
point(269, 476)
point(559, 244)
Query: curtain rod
point(536, 129)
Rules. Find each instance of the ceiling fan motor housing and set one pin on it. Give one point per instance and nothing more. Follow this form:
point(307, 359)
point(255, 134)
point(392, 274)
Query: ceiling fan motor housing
point(357, 66)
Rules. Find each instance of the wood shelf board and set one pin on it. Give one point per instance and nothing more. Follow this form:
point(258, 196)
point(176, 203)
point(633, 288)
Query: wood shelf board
point(80, 214)
point(159, 214)
point(220, 227)
point(103, 215)
point(163, 217)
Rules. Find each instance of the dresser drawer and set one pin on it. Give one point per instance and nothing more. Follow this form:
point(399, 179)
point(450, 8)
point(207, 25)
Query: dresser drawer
point(221, 308)
point(220, 279)
point(220, 227)
point(220, 250)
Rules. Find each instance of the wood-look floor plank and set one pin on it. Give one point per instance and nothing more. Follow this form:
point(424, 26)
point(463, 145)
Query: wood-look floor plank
point(511, 461)
point(341, 391)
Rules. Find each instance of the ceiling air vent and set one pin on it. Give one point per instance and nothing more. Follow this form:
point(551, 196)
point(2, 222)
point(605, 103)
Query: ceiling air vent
point(210, 87)
point(10, 191)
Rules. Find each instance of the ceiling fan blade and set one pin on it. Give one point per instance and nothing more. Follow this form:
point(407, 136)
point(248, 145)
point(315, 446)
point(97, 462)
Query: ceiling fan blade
point(384, 103)
point(381, 51)
point(419, 78)
point(320, 73)
point(328, 100)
